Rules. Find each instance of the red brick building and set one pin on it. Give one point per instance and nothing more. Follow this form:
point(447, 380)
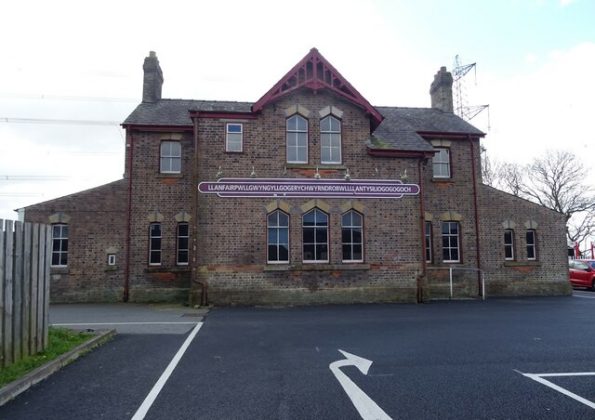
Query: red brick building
point(308, 195)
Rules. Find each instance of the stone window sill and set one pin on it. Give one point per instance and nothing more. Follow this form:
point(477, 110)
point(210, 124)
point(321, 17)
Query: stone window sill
point(522, 264)
point(320, 167)
point(161, 269)
point(59, 270)
point(317, 267)
point(177, 175)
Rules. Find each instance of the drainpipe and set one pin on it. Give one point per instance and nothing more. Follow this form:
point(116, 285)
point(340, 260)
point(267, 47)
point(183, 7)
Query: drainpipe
point(128, 228)
point(476, 216)
point(194, 274)
point(422, 217)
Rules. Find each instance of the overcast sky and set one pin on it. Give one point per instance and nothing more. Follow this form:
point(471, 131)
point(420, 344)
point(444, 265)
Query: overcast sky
point(71, 71)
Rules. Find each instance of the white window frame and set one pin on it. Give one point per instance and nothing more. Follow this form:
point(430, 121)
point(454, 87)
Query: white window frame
point(329, 136)
point(532, 245)
point(276, 228)
point(351, 227)
point(232, 137)
point(60, 233)
point(316, 244)
point(441, 163)
point(167, 157)
point(428, 245)
point(297, 134)
point(178, 247)
point(449, 236)
point(509, 245)
point(158, 250)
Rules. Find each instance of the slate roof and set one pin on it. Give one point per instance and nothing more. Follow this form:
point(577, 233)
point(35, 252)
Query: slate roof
point(174, 112)
point(398, 131)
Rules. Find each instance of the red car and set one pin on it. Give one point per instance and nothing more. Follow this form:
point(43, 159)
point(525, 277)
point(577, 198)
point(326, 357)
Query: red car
point(582, 273)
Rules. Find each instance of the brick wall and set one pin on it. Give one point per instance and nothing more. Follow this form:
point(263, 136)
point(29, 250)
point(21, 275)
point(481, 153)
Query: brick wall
point(232, 235)
point(97, 227)
point(548, 274)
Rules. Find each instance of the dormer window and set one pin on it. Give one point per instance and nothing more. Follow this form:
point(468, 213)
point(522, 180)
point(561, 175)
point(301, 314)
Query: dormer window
point(330, 140)
point(297, 139)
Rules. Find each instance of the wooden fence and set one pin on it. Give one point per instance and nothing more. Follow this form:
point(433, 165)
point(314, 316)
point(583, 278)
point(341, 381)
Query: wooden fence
point(25, 252)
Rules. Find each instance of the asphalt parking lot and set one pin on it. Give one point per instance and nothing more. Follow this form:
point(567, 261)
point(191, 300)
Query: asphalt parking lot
point(527, 358)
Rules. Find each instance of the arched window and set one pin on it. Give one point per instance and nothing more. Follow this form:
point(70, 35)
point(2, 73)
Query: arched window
point(531, 240)
point(59, 245)
point(509, 244)
point(183, 253)
point(277, 237)
point(450, 242)
point(330, 140)
point(297, 139)
point(155, 244)
point(352, 236)
point(315, 236)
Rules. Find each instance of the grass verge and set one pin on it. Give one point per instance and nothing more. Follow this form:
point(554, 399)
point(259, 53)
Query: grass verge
point(60, 341)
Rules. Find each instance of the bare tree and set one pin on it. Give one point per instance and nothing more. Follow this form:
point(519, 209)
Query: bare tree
point(555, 181)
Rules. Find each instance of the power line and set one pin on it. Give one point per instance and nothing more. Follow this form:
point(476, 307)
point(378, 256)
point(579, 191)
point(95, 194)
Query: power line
point(33, 178)
point(57, 121)
point(68, 98)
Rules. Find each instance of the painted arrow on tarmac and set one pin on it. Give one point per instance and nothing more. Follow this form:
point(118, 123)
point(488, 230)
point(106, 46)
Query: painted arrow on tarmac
point(365, 406)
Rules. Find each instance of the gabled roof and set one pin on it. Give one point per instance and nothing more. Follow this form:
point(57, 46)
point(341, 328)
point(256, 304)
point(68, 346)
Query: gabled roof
point(175, 112)
point(315, 72)
point(402, 128)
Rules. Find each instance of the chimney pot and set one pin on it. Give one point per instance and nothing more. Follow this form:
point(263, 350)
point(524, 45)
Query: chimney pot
point(441, 91)
point(153, 78)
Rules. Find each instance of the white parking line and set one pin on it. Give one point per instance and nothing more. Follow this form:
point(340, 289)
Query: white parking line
point(148, 402)
point(78, 324)
point(538, 377)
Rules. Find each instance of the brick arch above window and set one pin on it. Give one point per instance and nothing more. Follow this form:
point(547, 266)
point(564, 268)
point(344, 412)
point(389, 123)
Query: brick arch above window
point(531, 224)
point(321, 204)
point(297, 109)
point(508, 224)
point(328, 110)
point(428, 217)
point(183, 217)
point(154, 216)
point(451, 216)
point(278, 205)
point(59, 217)
point(352, 205)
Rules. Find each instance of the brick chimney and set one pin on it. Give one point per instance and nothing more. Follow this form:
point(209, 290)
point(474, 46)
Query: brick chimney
point(153, 78)
point(441, 91)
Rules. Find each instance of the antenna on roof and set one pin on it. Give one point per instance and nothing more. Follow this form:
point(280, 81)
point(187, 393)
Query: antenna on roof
point(466, 112)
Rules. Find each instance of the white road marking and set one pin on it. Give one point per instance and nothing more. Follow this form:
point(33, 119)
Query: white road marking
point(148, 402)
point(365, 406)
point(78, 324)
point(584, 297)
point(539, 378)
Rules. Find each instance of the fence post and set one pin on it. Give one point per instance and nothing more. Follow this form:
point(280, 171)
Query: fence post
point(26, 311)
point(2, 261)
point(40, 288)
point(46, 288)
point(8, 292)
point(34, 277)
point(17, 331)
